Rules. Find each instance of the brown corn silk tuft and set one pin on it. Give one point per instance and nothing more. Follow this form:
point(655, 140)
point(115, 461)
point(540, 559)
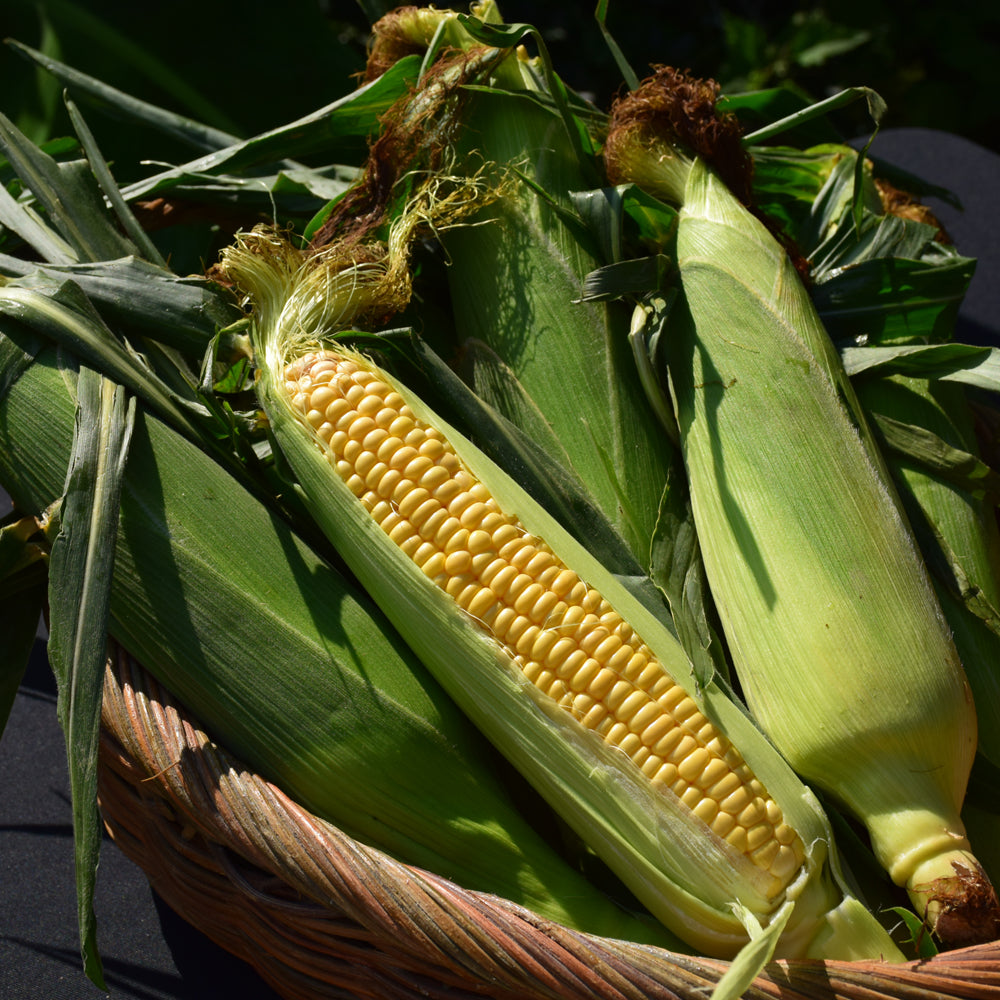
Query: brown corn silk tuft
point(896, 201)
point(672, 107)
point(566, 639)
point(393, 37)
point(674, 103)
point(414, 135)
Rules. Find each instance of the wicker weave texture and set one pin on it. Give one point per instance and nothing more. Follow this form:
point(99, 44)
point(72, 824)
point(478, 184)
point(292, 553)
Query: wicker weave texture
point(320, 915)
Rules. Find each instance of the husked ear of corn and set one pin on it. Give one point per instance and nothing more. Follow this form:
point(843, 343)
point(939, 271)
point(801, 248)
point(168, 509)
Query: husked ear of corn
point(574, 681)
point(836, 635)
point(299, 673)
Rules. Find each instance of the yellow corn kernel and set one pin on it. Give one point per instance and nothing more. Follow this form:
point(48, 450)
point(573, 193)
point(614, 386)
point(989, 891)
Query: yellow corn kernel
point(566, 639)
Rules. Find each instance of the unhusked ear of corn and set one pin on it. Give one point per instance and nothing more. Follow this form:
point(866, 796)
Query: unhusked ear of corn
point(299, 673)
point(575, 682)
point(837, 638)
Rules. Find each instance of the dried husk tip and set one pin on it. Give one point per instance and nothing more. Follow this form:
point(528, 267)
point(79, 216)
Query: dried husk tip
point(411, 30)
point(655, 132)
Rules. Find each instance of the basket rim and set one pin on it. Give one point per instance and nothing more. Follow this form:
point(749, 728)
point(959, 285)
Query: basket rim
point(223, 817)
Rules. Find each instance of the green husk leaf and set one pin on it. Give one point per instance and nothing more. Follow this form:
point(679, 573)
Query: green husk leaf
point(760, 108)
point(750, 962)
point(18, 347)
point(843, 98)
point(895, 299)
point(22, 218)
point(81, 567)
point(291, 191)
point(510, 35)
point(600, 211)
point(352, 117)
point(67, 317)
point(877, 237)
point(624, 67)
point(788, 182)
point(950, 495)
point(880, 281)
point(654, 221)
point(931, 452)
point(70, 196)
point(625, 278)
point(129, 109)
point(676, 568)
point(649, 324)
point(947, 566)
point(968, 364)
point(498, 388)
point(922, 941)
point(104, 178)
point(876, 109)
point(138, 297)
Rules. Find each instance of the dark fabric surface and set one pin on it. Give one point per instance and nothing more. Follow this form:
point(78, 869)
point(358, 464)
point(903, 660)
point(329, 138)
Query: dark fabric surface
point(972, 173)
point(150, 954)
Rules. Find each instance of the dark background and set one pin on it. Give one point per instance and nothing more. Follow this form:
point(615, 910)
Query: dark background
point(252, 66)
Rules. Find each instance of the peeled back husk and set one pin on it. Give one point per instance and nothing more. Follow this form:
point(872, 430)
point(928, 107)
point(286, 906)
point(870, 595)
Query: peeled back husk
point(682, 871)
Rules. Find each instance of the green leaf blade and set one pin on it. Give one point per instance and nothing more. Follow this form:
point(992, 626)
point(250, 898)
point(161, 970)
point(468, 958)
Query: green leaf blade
point(79, 598)
point(70, 196)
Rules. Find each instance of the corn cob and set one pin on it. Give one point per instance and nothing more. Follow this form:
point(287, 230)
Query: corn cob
point(584, 691)
point(837, 638)
point(297, 671)
point(566, 639)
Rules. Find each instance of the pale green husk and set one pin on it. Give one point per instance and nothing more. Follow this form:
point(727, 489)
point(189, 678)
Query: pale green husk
point(824, 598)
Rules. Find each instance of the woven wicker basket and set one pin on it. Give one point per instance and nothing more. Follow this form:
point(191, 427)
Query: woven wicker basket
point(319, 915)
